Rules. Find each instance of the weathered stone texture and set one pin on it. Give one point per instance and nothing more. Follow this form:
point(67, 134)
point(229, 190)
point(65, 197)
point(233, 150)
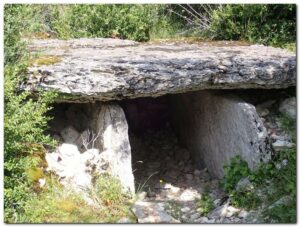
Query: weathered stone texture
point(216, 127)
point(111, 138)
point(102, 147)
point(112, 69)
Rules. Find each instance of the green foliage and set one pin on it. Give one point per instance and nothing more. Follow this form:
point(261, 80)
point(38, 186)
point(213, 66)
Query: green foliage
point(24, 120)
point(133, 22)
point(205, 204)
point(237, 169)
point(13, 27)
point(289, 125)
point(269, 24)
point(282, 213)
point(245, 199)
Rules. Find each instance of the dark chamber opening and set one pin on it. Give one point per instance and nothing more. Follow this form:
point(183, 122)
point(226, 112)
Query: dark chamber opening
point(158, 157)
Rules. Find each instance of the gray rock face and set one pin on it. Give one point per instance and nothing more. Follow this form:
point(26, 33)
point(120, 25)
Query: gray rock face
point(112, 69)
point(216, 127)
point(289, 107)
point(111, 130)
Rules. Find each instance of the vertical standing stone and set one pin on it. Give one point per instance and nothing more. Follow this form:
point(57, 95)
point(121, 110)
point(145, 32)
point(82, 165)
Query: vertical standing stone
point(110, 125)
point(218, 127)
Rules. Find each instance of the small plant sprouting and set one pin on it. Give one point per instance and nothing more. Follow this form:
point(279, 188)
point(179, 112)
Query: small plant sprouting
point(205, 204)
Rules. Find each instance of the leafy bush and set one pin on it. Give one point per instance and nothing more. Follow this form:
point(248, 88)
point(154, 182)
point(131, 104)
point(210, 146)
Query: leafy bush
point(24, 120)
point(133, 22)
point(269, 24)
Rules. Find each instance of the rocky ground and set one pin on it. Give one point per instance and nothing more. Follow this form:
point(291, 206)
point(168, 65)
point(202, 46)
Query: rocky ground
point(170, 186)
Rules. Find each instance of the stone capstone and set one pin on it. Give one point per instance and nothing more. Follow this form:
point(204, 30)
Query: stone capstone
point(112, 69)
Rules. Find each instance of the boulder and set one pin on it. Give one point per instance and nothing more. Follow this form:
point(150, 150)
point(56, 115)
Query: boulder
point(112, 69)
point(289, 107)
point(216, 126)
point(280, 145)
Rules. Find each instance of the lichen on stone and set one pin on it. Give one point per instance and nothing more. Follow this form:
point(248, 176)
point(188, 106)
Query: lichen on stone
point(46, 60)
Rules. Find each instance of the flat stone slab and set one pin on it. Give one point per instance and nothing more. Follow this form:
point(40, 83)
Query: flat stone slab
point(111, 69)
point(152, 212)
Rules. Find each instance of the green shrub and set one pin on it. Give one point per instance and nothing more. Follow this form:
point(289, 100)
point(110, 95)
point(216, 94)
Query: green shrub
point(24, 123)
point(125, 21)
point(205, 204)
point(235, 171)
point(24, 120)
point(269, 24)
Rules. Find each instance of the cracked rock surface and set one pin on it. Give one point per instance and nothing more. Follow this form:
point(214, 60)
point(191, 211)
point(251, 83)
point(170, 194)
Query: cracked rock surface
point(111, 69)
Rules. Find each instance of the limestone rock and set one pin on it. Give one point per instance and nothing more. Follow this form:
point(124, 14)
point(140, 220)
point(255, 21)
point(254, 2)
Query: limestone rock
point(203, 220)
point(42, 182)
point(69, 134)
point(231, 211)
point(125, 221)
point(194, 216)
point(243, 214)
point(109, 122)
point(84, 141)
point(216, 126)
point(112, 69)
point(68, 152)
point(67, 163)
point(185, 209)
point(152, 212)
point(219, 212)
point(189, 195)
point(289, 107)
point(244, 184)
point(279, 145)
